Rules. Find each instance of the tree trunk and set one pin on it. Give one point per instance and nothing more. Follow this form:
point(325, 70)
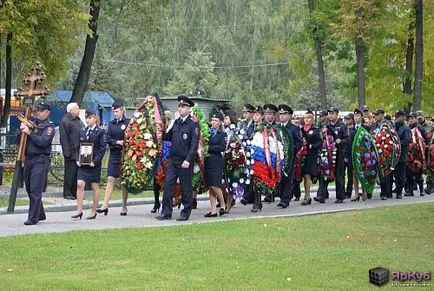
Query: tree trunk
point(406, 85)
point(318, 51)
point(418, 74)
point(82, 81)
point(8, 85)
point(360, 54)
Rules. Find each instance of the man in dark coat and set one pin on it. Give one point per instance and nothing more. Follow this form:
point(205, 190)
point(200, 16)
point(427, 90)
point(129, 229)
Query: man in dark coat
point(286, 181)
point(69, 129)
point(184, 136)
point(404, 134)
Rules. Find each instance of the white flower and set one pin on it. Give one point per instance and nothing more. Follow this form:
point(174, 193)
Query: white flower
point(247, 162)
point(233, 145)
point(149, 165)
point(240, 136)
point(252, 172)
point(248, 142)
point(136, 114)
point(242, 131)
point(196, 169)
point(232, 126)
point(241, 181)
point(235, 185)
point(248, 154)
point(139, 120)
point(252, 161)
point(147, 135)
point(247, 181)
point(243, 143)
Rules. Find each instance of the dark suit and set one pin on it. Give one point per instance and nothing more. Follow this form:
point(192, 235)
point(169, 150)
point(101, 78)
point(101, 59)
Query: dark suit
point(286, 181)
point(69, 129)
point(184, 136)
point(97, 138)
point(36, 165)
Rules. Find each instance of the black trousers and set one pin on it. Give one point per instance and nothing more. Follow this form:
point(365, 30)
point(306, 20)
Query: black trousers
point(70, 178)
point(339, 182)
point(350, 182)
point(35, 177)
point(400, 177)
point(386, 188)
point(248, 192)
point(285, 187)
point(413, 177)
point(185, 178)
point(296, 191)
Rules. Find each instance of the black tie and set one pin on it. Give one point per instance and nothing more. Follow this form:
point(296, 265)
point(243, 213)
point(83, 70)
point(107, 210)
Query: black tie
point(89, 131)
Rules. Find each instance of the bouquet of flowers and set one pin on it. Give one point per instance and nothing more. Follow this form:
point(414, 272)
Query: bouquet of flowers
point(365, 159)
point(416, 151)
point(141, 151)
point(238, 163)
point(202, 151)
point(327, 156)
point(267, 158)
point(288, 143)
point(386, 151)
point(162, 164)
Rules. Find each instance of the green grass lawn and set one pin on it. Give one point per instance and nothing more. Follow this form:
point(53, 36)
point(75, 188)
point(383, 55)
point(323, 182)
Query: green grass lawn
point(117, 195)
point(4, 202)
point(333, 252)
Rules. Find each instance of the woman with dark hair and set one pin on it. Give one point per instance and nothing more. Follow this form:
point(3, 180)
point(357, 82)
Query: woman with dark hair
point(311, 144)
point(214, 165)
point(91, 173)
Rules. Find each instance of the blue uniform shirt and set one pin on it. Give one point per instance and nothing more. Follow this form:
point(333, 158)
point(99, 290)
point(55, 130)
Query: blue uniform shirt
point(116, 131)
point(39, 141)
point(185, 140)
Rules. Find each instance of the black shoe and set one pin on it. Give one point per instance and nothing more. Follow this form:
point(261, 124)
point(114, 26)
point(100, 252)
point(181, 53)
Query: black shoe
point(105, 211)
point(243, 201)
point(320, 200)
point(91, 217)
point(383, 198)
point(398, 196)
point(218, 204)
point(268, 199)
point(306, 202)
point(232, 203)
point(69, 197)
point(77, 215)
point(256, 208)
point(394, 190)
point(409, 194)
point(29, 222)
point(156, 208)
point(428, 190)
point(182, 218)
point(414, 187)
point(338, 201)
point(222, 211)
point(283, 205)
point(194, 203)
point(210, 214)
point(163, 217)
point(297, 199)
point(123, 214)
point(406, 190)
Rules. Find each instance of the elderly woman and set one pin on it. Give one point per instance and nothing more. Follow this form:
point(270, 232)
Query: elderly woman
point(91, 173)
point(214, 165)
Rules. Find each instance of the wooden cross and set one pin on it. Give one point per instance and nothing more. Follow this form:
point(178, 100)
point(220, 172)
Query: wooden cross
point(35, 81)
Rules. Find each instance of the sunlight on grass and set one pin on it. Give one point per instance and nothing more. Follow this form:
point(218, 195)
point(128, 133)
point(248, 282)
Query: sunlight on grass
point(333, 252)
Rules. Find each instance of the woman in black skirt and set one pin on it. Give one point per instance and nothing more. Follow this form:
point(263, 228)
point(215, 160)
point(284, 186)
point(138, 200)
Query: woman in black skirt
point(91, 173)
point(214, 165)
point(311, 145)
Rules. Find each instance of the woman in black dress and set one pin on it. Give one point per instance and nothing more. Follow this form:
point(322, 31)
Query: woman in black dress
point(90, 173)
point(311, 145)
point(214, 165)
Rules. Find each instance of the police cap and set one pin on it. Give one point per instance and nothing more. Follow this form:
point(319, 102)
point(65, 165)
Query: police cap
point(283, 108)
point(44, 105)
point(118, 104)
point(270, 108)
point(184, 100)
point(90, 112)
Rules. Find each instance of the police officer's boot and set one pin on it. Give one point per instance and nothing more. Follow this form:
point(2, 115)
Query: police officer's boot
point(257, 204)
point(421, 188)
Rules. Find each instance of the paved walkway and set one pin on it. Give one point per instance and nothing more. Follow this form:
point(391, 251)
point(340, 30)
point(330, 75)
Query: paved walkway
point(140, 215)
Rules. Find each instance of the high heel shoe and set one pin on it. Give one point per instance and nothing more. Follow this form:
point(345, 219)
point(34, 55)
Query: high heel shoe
point(210, 214)
point(105, 211)
point(91, 217)
point(222, 211)
point(77, 215)
point(156, 209)
point(306, 202)
point(256, 208)
point(355, 199)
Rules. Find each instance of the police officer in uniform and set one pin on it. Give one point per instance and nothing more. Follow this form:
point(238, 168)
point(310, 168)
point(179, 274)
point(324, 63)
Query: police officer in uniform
point(36, 164)
point(337, 129)
point(184, 136)
point(286, 182)
point(270, 114)
point(115, 140)
point(247, 124)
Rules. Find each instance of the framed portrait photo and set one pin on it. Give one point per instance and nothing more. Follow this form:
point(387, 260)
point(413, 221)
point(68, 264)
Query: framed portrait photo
point(86, 153)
